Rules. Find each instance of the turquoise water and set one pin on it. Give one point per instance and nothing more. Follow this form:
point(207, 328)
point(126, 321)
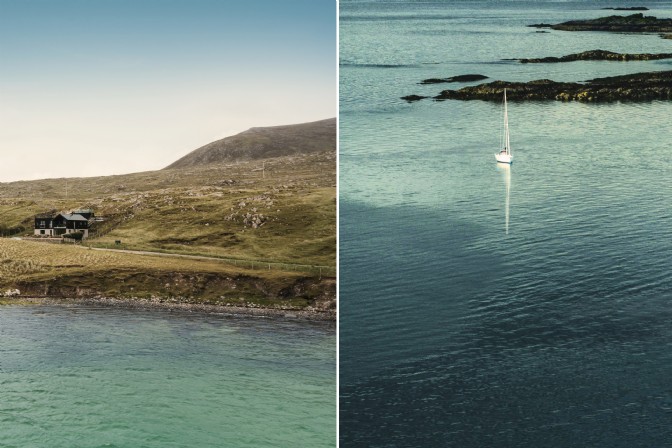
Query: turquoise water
point(483, 306)
point(103, 377)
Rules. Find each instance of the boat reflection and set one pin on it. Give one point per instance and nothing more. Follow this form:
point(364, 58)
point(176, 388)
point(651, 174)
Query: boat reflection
point(505, 169)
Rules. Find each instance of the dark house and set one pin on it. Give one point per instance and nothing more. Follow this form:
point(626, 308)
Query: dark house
point(47, 224)
point(44, 224)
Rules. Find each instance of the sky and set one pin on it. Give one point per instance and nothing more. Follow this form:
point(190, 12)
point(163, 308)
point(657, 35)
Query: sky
point(100, 87)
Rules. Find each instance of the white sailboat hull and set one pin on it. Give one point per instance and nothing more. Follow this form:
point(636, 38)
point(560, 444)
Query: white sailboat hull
point(504, 158)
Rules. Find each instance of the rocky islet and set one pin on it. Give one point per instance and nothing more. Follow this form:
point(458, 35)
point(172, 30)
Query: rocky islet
point(599, 55)
point(633, 23)
point(635, 87)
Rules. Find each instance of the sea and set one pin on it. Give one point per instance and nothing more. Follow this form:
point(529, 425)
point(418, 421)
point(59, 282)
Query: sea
point(495, 306)
point(86, 376)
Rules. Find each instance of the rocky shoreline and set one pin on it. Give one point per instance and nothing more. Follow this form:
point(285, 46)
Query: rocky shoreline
point(634, 23)
point(599, 55)
point(311, 314)
point(637, 87)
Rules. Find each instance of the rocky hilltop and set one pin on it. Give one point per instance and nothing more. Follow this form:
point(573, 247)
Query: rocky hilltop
point(635, 87)
point(263, 143)
point(634, 23)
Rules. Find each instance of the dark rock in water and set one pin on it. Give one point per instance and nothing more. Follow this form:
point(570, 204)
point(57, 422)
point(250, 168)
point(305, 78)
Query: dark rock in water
point(411, 98)
point(466, 78)
point(632, 8)
point(434, 81)
point(601, 55)
point(635, 87)
point(542, 89)
point(666, 36)
point(542, 32)
point(540, 25)
point(459, 78)
point(635, 23)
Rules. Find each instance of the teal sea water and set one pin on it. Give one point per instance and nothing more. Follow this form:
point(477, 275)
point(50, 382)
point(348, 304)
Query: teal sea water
point(484, 306)
point(103, 377)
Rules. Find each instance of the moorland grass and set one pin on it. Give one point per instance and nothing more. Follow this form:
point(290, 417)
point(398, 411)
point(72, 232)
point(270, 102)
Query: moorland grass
point(201, 210)
point(280, 213)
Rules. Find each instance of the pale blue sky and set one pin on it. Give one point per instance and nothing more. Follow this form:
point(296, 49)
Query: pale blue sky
point(97, 87)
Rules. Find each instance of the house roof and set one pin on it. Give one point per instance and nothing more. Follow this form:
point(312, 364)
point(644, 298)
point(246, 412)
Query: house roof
point(67, 216)
point(72, 217)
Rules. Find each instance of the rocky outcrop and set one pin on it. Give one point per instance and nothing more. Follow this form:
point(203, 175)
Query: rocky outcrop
point(600, 55)
point(459, 78)
point(635, 23)
point(636, 87)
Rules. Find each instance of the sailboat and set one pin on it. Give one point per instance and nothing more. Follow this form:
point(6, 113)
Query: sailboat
point(505, 156)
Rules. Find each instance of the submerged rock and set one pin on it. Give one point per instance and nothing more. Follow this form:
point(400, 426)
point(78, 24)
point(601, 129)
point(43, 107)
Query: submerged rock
point(635, 87)
point(433, 81)
point(631, 8)
point(411, 98)
point(600, 55)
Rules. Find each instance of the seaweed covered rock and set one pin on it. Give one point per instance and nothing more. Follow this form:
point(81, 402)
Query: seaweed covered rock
point(634, 23)
point(600, 55)
point(635, 87)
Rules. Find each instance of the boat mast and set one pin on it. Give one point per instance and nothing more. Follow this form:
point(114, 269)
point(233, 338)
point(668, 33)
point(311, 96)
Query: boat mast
point(506, 127)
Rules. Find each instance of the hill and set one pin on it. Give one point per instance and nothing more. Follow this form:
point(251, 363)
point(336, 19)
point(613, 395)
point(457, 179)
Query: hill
point(269, 226)
point(262, 143)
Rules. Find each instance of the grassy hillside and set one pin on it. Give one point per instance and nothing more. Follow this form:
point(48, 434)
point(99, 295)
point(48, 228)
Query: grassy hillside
point(261, 143)
point(280, 210)
point(267, 220)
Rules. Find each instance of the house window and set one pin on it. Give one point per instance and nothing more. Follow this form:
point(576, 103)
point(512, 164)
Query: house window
point(41, 232)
